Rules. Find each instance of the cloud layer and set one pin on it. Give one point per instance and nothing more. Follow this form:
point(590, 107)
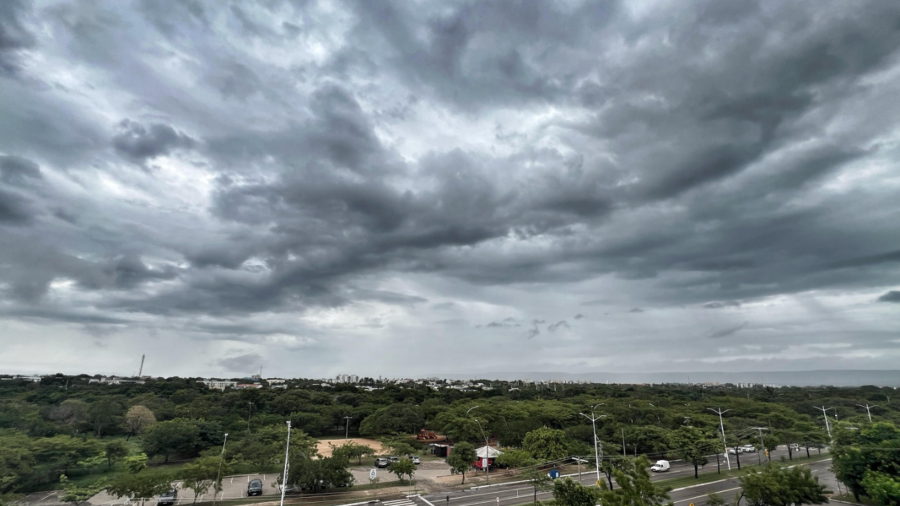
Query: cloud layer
point(322, 187)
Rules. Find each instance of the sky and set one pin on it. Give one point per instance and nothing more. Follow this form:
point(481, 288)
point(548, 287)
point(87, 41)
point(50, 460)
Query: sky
point(411, 189)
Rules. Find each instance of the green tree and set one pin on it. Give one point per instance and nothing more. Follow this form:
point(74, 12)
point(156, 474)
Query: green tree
point(715, 499)
point(136, 463)
point(539, 480)
point(461, 458)
point(139, 486)
point(17, 460)
point(872, 449)
point(691, 445)
point(103, 414)
point(883, 488)
point(76, 494)
point(567, 492)
point(635, 487)
point(114, 452)
point(546, 444)
point(516, 459)
point(399, 418)
point(403, 467)
point(320, 473)
point(201, 474)
point(137, 420)
point(398, 447)
point(351, 450)
point(177, 436)
point(778, 485)
point(63, 452)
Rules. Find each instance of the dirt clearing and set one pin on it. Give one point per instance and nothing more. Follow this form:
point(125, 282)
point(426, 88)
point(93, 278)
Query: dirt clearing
point(325, 450)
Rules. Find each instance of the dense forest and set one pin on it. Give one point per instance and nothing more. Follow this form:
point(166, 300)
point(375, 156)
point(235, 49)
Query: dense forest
point(65, 427)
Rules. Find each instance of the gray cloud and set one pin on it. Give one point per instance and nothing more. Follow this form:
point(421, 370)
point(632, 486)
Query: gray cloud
point(140, 143)
point(728, 331)
point(246, 363)
point(500, 158)
point(892, 296)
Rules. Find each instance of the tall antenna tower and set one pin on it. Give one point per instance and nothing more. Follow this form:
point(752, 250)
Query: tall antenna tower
point(141, 370)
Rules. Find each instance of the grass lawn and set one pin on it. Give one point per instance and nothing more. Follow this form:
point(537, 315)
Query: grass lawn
point(849, 498)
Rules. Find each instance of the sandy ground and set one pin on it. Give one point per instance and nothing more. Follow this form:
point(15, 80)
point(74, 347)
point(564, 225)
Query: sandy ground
point(325, 450)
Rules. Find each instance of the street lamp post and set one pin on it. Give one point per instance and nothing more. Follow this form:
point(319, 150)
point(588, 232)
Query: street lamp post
point(593, 418)
point(287, 451)
point(762, 442)
point(487, 452)
point(867, 410)
point(219, 472)
point(825, 415)
point(347, 430)
point(722, 427)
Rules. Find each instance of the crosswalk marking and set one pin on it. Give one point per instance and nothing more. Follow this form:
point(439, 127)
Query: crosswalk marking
point(399, 502)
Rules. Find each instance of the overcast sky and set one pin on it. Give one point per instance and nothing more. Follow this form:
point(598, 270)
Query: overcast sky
point(418, 188)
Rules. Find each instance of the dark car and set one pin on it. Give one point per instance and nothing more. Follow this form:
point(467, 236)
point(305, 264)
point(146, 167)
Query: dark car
point(254, 487)
point(170, 497)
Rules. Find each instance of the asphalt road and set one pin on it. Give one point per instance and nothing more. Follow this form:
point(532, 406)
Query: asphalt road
point(521, 493)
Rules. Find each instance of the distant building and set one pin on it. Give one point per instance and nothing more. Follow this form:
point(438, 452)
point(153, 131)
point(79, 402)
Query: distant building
point(219, 384)
point(33, 379)
point(114, 380)
point(244, 386)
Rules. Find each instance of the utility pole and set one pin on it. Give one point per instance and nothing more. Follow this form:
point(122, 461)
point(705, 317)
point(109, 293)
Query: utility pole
point(287, 451)
point(593, 418)
point(867, 410)
point(825, 415)
point(722, 427)
point(347, 430)
point(487, 453)
point(141, 370)
point(217, 484)
point(762, 442)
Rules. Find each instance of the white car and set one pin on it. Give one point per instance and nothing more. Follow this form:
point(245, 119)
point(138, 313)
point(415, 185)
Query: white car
point(748, 448)
point(660, 466)
point(415, 459)
point(735, 451)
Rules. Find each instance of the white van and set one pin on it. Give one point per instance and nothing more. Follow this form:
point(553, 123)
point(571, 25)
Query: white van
point(660, 466)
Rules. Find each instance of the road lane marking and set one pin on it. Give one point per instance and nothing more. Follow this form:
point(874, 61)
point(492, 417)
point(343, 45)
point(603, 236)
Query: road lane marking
point(705, 495)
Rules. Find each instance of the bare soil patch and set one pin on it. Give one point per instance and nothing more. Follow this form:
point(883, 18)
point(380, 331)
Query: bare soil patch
point(325, 450)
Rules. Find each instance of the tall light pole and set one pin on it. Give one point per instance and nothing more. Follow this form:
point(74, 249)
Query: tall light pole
point(593, 418)
point(825, 415)
point(287, 451)
point(867, 410)
point(487, 451)
point(347, 430)
point(762, 441)
point(722, 427)
point(219, 472)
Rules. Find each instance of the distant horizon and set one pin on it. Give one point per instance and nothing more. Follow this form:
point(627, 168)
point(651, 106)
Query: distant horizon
point(874, 377)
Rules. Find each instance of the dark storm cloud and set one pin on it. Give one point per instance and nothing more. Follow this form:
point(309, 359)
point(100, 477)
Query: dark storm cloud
point(14, 37)
point(15, 170)
point(698, 156)
point(720, 305)
point(243, 363)
point(728, 331)
point(892, 296)
point(139, 143)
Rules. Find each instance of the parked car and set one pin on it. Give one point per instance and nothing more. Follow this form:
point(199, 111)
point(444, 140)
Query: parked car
point(748, 448)
point(255, 487)
point(735, 451)
point(382, 462)
point(660, 466)
point(170, 497)
point(415, 459)
point(393, 458)
point(795, 447)
point(287, 490)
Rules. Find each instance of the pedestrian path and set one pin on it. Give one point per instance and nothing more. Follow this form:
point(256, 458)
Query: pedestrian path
point(399, 502)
